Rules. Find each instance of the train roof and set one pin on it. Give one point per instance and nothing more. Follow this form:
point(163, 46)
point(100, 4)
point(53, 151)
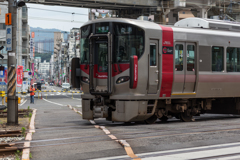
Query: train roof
point(208, 24)
point(197, 25)
point(140, 23)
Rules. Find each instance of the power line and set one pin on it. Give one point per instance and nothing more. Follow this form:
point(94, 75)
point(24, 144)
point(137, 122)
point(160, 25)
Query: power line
point(58, 11)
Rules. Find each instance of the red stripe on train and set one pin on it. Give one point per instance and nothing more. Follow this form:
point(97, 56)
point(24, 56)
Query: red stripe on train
point(135, 72)
point(167, 62)
point(103, 75)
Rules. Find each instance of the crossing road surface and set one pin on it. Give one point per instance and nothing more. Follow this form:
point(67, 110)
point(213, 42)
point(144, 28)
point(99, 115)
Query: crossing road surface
point(61, 134)
point(220, 152)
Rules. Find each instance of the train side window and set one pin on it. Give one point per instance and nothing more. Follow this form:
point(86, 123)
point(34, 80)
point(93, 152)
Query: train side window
point(178, 57)
point(233, 59)
point(153, 54)
point(190, 57)
point(217, 59)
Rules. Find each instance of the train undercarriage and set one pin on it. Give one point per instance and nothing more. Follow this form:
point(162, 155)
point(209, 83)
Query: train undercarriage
point(151, 110)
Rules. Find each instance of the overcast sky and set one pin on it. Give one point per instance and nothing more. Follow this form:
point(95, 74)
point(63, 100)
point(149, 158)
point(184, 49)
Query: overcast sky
point(38, 16)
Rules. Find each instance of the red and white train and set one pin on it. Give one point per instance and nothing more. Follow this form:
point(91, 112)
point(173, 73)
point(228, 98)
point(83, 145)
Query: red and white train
point(132, 70)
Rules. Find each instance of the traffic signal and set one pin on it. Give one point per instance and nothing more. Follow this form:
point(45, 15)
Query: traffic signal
point(1, 56)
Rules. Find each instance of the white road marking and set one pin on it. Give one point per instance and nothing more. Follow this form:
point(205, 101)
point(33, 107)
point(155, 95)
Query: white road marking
point(77, 99)
point(124, 143)
point(23, 102)
point(53, 102)
point(220, 152)
point(79, 106)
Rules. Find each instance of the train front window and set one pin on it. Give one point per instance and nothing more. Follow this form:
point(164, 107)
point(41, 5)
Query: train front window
point(84, 44)
point(128, 41)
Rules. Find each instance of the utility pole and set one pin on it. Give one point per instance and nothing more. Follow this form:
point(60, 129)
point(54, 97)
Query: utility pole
point(12, 105)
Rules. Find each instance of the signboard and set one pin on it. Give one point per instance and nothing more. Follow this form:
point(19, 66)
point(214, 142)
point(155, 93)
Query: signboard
point(31, 48)
point(5, 78)
point(8, 38)
point(2, 73)
point(19, 76)
point(23, 64)
point(2, 83)
point(33, 69)
point(8, 19)
point(25, 86)
point(25, 74)
point(33, 34)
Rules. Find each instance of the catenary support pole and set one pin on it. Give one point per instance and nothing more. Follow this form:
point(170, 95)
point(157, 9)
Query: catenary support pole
point(12, 106)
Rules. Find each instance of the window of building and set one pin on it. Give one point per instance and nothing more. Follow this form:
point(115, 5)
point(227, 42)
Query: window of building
point(233, 59)
point(217, 59)
point(178, 57)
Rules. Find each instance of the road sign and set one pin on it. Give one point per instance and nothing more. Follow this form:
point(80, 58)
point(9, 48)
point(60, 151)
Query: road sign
point(8, 38)
point(8, 19)
point(2, 83)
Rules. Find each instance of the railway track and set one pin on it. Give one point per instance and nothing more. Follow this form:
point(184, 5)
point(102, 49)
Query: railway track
point(21, 113)
point(10, 148)
point(104, 138)
point(16, 133)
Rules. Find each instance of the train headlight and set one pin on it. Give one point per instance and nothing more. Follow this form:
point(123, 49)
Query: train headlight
point(122, 79)
point(85, 79)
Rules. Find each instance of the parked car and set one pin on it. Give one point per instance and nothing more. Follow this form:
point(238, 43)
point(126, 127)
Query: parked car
point(65, 87)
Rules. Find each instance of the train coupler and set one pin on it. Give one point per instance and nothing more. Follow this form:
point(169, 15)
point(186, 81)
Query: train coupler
point(100, 111)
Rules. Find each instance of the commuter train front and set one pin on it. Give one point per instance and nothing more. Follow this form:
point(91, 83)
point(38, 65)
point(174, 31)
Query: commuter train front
point(133, 70)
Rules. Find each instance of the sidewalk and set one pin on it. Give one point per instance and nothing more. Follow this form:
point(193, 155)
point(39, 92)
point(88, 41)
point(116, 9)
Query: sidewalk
point(62, 134)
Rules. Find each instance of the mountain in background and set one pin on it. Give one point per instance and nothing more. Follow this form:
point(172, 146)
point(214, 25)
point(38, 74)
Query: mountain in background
point(46, 38)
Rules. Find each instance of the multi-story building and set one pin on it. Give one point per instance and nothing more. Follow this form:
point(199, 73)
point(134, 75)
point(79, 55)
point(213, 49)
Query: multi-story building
point(73, 43)
point(51, 69)
point(44, 68)
point(23, 33)
point(3, 11)
point(40, 47)
point(58, 39)
point(37, 61)
point(73, 48)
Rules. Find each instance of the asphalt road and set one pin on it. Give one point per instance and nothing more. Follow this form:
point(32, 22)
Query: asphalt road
point(63, 134)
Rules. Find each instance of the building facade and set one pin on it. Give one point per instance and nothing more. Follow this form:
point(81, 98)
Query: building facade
point(44, 68)
point(3, 11)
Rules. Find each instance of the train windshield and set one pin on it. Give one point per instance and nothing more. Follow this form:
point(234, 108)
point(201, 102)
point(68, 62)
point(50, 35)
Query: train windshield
point(128, 41)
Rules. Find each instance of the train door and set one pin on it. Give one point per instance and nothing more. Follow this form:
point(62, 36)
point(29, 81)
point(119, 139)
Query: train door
point(153, 67)
point(101, 64)
point(185, 67)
